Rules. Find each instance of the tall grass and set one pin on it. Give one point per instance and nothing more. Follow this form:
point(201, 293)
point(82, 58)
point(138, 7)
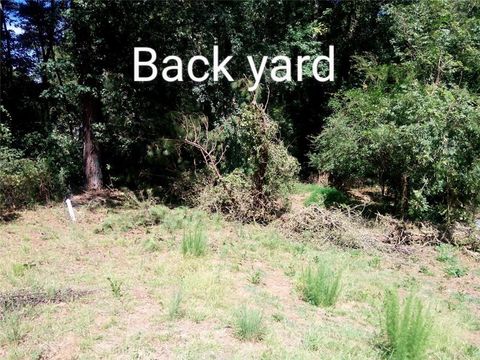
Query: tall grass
point(194, 242)
point(248, 324)
point(11, 328)
point(174, 306)
point(320, 286)
point(407, 328)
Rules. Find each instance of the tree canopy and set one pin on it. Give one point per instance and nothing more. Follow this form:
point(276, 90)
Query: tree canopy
point(402, 111)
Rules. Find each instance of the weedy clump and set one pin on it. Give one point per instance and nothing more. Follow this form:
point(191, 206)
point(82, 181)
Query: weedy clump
point(407, 328)
point(446, 254)
point(11, 327)
point(312, 340)
point(19, 270)
point(194, 242)
point(152, 244)
point(115, 287)
point(255, 277)
point(174, 305)
point(320, 286)
point(248, 324)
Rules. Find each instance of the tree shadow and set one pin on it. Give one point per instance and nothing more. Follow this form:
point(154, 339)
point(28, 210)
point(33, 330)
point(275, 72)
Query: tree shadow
point(9, 216)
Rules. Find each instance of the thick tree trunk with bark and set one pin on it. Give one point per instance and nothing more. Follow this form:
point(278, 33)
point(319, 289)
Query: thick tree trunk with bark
point(91, 161)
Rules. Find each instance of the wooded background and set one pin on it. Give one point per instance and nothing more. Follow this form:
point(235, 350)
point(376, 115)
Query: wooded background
point(402, 113)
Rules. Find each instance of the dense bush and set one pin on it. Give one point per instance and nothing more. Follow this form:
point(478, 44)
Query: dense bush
point(257, 174)
point(23, 181)
point(421, 142)
point(413, 125)
point(326, 196)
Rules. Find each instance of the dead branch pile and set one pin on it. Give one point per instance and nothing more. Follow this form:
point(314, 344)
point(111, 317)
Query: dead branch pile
point(21, 298)
point(398, 232)
point(318, 225)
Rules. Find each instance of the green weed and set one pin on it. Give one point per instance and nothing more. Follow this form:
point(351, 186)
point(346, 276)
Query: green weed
point(11, 328)
point(174, 305)
point(194, 242)
point(319, 286)
point(151, 244)
point(407, 328)
point(312, 340)
point(115, 287)
point(255, 277)
point(425, 270)
point(19, 270)
point(455, 270)
point(446, 254)
point(248, 324)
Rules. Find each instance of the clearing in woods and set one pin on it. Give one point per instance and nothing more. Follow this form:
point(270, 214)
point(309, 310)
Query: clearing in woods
point(152, 282)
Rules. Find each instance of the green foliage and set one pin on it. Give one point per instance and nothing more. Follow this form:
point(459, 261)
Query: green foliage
point(453, 268)
point(116, 287)
point(248, 324)
point(313, 339)
point(319, 285)
point(19, 270)
point(194, 242)
point(11, 327)
point(423, 142)
point(24, 182)
point(326, 196)
point(456, 270)
point(152, 244)
point(255, 277)
point(259, 171)
point(446, 253)
point(174, 305)
point(414, 126)
point(407, 328)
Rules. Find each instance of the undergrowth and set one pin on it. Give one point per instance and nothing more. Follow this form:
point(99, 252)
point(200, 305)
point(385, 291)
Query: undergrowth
point(194, 242)
point(320, 286)
point(248, 324)
point(407, 328)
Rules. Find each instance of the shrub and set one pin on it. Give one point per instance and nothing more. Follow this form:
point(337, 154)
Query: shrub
point(407, 328)
point(256, 174)
point(320, 286)
point(25, 181)
point(248, 324)
point(194, 242)
point(421, 143)
point(326, 196)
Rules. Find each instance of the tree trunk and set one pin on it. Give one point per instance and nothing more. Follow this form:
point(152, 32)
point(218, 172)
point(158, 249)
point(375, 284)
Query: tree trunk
point(404, 195)
point(91, 162)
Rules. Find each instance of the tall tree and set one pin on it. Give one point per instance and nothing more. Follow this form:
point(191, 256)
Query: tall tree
point(83, 55)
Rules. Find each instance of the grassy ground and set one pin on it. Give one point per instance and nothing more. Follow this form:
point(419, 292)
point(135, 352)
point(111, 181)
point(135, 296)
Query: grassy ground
point(149, 298)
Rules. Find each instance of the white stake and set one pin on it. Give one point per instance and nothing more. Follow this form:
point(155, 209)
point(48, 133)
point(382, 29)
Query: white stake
point(70, 210)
